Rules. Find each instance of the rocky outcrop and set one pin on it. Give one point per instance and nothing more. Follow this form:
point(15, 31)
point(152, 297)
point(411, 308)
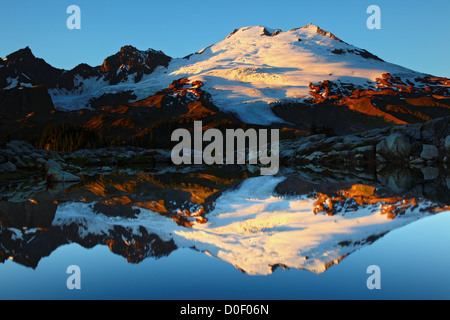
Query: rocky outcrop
point(130, 61)
point(362, 53)
point(349, 108)
point(21, 156)
point(112, 99)
point(413, 144)
point(319, 31)
point(58, 175)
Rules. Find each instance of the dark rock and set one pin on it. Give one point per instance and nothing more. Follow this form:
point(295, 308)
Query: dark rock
point(429, 152)
point(116, 209)
point(395, 146)
point(112, 99)
point(25, 100)
point(129, 61)
point(25, 67)
point(57, 175)
point(7, 167)
point(27, 214)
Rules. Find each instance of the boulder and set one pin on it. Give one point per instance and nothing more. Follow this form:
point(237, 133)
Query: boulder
point(429, 152)
point(55, 175)
point(53, 165)
point(430, 173)
point(447, 143)
point(396, 146)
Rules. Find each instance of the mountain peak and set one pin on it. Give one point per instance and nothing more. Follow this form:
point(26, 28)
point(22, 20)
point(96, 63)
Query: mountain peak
point(309, 25)
point(265, 31)
point(318, 30)
point(21, 53)
point(128, 48)
point(129, 60)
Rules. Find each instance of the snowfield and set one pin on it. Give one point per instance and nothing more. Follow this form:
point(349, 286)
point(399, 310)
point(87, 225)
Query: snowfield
point(251, 69)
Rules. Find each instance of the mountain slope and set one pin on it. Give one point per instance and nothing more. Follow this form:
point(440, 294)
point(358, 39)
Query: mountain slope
point(255, 67)
point(261, 76)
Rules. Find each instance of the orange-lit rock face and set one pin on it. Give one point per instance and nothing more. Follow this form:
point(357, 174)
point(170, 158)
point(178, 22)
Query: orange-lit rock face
point(153, 206)
point(363, 195)
point(181, 92)
point(392, 100)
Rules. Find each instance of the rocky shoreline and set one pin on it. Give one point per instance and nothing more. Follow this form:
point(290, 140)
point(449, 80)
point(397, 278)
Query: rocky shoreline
point(424, 146)
point(19, 159)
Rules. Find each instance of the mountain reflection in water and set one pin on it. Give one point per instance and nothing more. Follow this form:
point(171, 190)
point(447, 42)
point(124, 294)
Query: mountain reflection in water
point(302, 218)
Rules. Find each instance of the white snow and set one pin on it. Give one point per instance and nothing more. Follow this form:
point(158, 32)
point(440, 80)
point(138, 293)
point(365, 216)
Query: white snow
point(248, 72)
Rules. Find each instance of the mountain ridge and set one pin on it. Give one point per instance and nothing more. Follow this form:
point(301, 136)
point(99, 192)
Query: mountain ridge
point(301, 78)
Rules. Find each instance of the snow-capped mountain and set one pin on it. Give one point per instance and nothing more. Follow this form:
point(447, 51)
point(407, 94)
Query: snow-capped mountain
point(255, 67)
point(129, 65)
point(246, 73)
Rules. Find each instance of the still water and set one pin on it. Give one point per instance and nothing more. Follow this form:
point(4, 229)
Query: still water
point(197, 233)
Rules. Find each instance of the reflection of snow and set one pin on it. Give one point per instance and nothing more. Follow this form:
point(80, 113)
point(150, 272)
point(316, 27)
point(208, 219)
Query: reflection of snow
point(256, 231)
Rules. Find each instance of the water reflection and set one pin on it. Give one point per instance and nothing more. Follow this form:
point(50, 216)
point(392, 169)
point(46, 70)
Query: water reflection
point(305, 218)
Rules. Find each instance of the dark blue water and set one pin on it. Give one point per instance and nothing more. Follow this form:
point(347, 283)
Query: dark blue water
point(414, 262)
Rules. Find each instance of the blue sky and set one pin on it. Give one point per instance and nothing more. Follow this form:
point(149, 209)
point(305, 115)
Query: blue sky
point(414, 34)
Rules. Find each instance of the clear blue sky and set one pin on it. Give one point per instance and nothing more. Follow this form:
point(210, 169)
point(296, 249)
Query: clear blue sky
point(414, 34)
